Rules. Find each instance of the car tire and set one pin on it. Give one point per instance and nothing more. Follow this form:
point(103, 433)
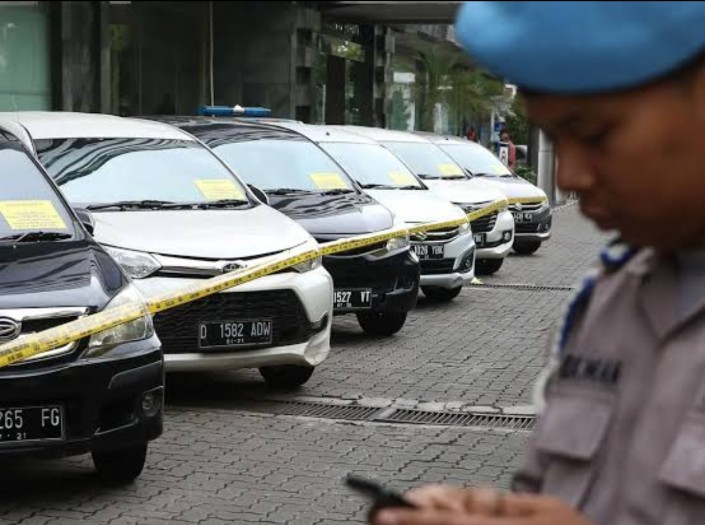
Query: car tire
point(527, 248)
point(286, 376)
point(488, 266)
point(384, 324)
point(441, 295)
point(120, 466)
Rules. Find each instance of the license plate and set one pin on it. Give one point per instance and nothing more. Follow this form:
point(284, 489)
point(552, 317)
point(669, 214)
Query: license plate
point(213, 334)
point(38, 423)
point(428, 251)
point(523, 216)
point(480, 239)
point(348, 299)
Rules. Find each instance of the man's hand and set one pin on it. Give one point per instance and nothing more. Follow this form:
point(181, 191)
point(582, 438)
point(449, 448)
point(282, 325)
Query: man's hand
point(440, 505)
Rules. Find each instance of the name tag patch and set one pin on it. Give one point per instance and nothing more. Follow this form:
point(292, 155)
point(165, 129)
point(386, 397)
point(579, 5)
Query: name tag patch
point(596, 370)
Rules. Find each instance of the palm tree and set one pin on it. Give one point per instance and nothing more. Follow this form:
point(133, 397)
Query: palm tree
point(447, 78)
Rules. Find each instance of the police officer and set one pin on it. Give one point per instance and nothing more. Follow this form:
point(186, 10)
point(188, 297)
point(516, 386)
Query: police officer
point(620, 439)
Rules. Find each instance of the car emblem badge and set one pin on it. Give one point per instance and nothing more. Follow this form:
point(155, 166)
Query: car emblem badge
point(9, 329)
point(231, 267)
point(519, 206)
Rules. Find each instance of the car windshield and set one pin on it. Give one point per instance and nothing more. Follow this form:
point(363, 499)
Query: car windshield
point(29, 204)
point(95, 172)
point(289, 165)
point(372, 166)
point(426, 160)
point(477, 160)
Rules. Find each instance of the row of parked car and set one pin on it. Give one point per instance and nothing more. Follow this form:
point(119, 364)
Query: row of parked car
point(97, 211)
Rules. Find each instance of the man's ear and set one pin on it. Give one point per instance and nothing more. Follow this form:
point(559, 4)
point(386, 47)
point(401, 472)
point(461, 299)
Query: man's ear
point(698, 91)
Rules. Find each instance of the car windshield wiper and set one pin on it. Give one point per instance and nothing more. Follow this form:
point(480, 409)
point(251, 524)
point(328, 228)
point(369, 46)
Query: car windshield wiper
point(142, 205)
point(288, 191)
point(410, 187)
point(337, 191)
point(426, 176)
point(485, 174)
point(36, 236)
point(222, 203)
point(372, 186)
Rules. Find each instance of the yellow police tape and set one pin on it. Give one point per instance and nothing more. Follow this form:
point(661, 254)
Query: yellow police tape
point(527, 200)
point(59, 336)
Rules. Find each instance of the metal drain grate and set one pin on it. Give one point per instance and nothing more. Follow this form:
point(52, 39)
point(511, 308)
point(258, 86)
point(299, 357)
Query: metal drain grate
point(423, 417)
point(393, 415)
point(326, 411)
point(531, 287)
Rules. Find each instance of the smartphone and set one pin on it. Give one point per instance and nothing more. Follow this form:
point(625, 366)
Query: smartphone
point(381, 496)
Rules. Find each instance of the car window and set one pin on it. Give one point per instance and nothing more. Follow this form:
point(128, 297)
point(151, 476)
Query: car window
point(477, 160)
point(272, 164)
point(370, 164)
point(94, 171)
point(28, 201)
point(426, 160)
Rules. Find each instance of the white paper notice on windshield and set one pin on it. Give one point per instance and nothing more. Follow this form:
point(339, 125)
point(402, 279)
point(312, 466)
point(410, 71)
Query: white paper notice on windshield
point(402, 178)
point(328, 181)
point(219, 189)
point(450, 170)
point(31, 215)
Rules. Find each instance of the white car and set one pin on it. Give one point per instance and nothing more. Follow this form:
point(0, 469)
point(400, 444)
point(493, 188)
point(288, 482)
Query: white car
point(532, 215)
point(172, 213)
point(447, 256)
point(494, 233)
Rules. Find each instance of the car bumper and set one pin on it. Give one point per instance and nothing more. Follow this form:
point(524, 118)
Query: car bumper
point(499, 240)
point(301, 332)
point(393, 279)
point(456, 269)
point(537, 230)
point(101, 400)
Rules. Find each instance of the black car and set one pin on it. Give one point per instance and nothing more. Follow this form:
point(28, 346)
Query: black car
point(379, 283)
point(102, 394)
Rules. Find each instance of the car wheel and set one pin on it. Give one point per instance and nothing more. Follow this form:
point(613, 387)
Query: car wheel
point(527, 248)
point(441, 295)
point(381, 323)
point(286, 376)
point(120, 466)
point(488, 266)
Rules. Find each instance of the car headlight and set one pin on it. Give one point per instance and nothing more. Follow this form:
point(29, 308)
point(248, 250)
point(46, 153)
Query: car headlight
point(136, 330)
point(398, 243)
point(137, 265)
point(308, 266)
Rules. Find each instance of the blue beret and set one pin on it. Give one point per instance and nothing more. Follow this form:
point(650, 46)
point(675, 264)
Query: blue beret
point(581, 47)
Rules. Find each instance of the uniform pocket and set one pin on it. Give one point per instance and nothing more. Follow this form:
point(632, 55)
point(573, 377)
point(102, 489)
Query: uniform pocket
point(569, 434)
point(684, 471)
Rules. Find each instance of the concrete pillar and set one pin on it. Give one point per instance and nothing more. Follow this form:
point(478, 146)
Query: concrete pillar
point(546, 171)
point(335, 90)
point(80, 63)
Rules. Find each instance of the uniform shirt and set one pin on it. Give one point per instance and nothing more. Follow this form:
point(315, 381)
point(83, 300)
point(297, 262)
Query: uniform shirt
point(622, 435)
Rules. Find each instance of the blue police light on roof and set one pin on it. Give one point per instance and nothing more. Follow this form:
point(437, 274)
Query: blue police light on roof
point(236, 111)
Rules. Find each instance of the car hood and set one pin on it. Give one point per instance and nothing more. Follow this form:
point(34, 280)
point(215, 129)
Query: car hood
point(205, 234)
point(464, 191)
point(415, 206)
point(58, 274)
point(514, 187)
point(335, 214)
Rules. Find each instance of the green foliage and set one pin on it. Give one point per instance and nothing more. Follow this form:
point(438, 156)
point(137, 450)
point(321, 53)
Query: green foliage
point(526, 172)
point(445, 78)
point(400, 111)
point(518, 125)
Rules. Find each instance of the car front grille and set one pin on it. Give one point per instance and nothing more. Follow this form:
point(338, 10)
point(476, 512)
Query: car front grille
point(443, 235)
point(436, 267)
point(532, 207)
point(484, 224)
point(178, 328)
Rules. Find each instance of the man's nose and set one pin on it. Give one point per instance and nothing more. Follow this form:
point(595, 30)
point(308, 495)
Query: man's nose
point(573, 172)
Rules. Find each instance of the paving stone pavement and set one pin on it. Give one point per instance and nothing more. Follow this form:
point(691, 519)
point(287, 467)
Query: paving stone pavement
point(218, 465)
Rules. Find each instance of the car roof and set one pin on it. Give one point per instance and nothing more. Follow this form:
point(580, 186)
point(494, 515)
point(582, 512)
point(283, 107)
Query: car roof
point(384, 135)
point(216, 129)
point(67, 125)
point(322, 133)
point(449, 139)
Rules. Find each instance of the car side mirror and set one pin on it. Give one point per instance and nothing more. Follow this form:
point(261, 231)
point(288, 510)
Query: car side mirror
point(86, 219)
point(262, 196)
